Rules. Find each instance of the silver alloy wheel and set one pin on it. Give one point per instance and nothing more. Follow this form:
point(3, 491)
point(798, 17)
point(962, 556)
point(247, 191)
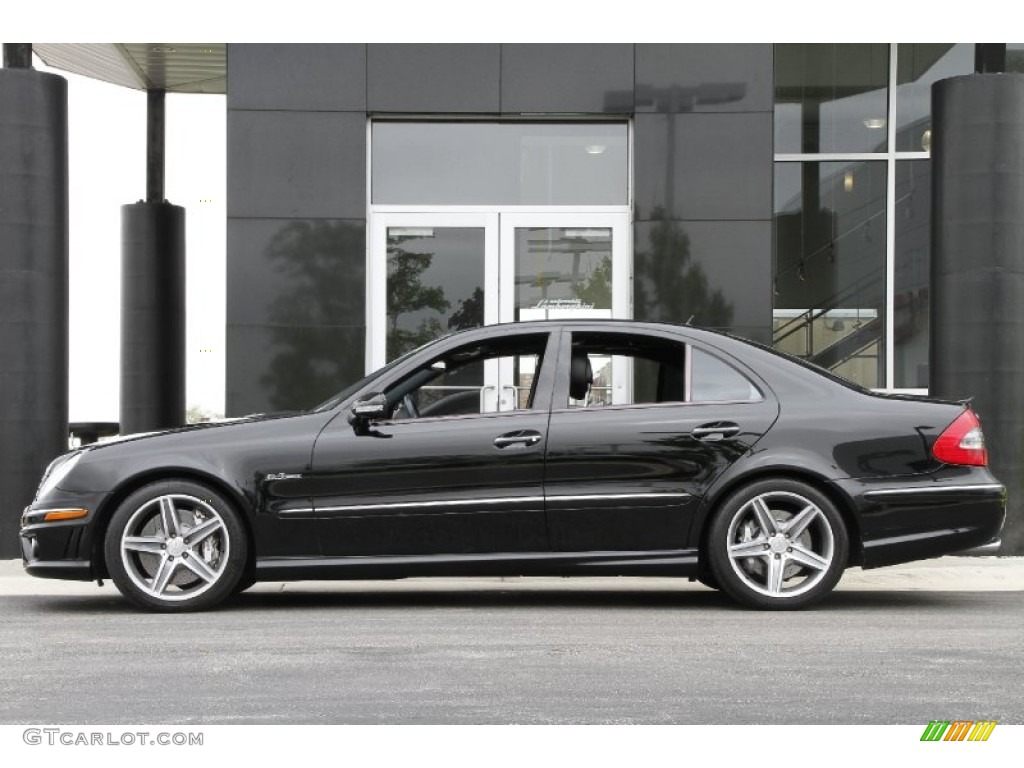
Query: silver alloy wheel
point(175, 547)
point(779, 537)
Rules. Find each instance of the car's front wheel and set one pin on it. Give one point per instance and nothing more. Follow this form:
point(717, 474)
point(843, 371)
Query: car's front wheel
point(175, 546)
point(777, 544)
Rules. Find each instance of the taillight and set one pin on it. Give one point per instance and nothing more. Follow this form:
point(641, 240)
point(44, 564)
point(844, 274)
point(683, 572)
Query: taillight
point(962, 442)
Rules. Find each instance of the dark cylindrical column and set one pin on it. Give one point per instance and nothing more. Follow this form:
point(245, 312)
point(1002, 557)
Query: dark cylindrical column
point(152, 317)
point(155, 146)
point(33, 287)
point(18, 55)
point(977, 317)
point(989, 57)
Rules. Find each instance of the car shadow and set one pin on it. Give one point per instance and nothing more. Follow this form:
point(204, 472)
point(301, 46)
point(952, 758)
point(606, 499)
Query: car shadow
point(512, 599)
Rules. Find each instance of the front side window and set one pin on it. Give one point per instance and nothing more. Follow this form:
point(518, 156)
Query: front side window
point(480, 378)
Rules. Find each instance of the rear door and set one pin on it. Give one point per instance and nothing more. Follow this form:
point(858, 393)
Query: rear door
point(661, 419)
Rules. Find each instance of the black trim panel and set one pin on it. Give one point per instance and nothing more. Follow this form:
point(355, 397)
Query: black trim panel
point(673, 562)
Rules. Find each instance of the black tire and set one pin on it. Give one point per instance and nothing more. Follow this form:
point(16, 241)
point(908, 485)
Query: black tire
point(795, 564)
point(176, 546)
point(709, 581)
point(243, 584)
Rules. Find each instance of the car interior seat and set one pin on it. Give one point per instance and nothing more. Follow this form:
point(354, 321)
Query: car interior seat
point(581, 375)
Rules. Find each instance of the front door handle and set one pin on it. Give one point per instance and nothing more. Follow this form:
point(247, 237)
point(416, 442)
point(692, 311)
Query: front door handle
point(716, 431)
point(523, 437)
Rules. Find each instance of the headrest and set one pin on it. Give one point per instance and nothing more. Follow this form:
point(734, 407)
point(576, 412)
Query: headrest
point(581, 376)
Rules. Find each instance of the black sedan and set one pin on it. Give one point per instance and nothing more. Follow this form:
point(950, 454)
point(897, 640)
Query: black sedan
point(546, 448)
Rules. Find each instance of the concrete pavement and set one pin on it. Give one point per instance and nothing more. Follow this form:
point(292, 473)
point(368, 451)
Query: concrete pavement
point(945, 574)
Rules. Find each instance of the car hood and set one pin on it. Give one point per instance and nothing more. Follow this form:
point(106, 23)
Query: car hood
point(206, 425)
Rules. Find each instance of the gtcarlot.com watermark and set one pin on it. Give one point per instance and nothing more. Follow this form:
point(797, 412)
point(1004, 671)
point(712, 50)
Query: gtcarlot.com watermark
point(53, 737)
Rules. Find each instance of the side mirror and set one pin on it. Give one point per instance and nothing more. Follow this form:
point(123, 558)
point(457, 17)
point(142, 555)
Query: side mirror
point(366, 410)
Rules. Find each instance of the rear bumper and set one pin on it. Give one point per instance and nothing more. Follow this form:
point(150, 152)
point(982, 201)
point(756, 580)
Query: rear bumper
point(926, 519)
point(985, 550)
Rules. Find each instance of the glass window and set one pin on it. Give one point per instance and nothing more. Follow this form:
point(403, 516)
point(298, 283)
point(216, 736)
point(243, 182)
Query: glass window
point(470, 163)
point(913, 249)
point(656, 366)
point(713, 380)
point(655, 369)
point(830, 287)
point(455, 384)
point(918, 66)
point(831, 98)
point(563, 272)
point(1015, 57)
point(435, 284)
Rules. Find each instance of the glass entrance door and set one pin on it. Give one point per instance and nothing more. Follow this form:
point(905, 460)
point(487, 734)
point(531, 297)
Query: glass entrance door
point(433, 273)
point(557, 266)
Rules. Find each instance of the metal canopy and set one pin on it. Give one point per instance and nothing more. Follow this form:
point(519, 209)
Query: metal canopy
point(171, 67)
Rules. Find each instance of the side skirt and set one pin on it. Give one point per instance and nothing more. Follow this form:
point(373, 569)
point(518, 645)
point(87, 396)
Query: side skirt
point(673, 562)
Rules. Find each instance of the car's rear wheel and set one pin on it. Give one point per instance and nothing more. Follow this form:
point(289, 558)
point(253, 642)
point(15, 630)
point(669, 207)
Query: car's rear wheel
point(777, 544)
point(175, 546)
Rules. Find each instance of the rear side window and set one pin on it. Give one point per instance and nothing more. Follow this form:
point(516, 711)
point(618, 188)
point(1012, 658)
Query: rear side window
point(712, 379)
point(637, 369)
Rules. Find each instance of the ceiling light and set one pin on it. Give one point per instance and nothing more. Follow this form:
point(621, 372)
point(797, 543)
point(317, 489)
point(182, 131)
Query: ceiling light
point(848, 181)
point(595, 149)
point(874, 123)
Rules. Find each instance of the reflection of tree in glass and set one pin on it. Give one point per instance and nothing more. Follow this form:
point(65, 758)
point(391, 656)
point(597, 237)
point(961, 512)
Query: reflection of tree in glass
point(597, 288)
point(319, 261)
point(406, 293)
point(470, 313)
point(669, 286)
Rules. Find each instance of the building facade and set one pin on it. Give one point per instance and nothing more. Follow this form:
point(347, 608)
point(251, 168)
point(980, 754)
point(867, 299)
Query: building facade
point(380, 195)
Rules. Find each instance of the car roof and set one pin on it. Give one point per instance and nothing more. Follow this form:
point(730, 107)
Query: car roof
point(810, 375)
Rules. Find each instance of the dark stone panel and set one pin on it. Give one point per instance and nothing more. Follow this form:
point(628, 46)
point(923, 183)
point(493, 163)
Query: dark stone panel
point(306, 76)
point(592, 78)
point(296, 164)
point(704, 78)
point(296, 271)
point(290, 367)
point(703, 166)
point(433, 78)
point(718, 272)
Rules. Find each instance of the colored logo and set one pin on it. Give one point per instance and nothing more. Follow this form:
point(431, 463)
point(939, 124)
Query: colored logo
point(958, 730)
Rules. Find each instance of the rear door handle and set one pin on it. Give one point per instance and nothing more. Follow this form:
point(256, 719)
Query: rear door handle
point(716, 431)
point(524, 437)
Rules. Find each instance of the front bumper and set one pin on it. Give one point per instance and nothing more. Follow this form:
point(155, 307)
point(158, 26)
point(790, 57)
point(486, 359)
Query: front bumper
point(64, 549)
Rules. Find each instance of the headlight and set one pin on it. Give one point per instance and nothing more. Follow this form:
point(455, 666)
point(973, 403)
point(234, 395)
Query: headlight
point(56, 472)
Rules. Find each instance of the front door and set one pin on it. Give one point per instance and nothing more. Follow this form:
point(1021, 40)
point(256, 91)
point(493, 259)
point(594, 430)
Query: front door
point(447, 472)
